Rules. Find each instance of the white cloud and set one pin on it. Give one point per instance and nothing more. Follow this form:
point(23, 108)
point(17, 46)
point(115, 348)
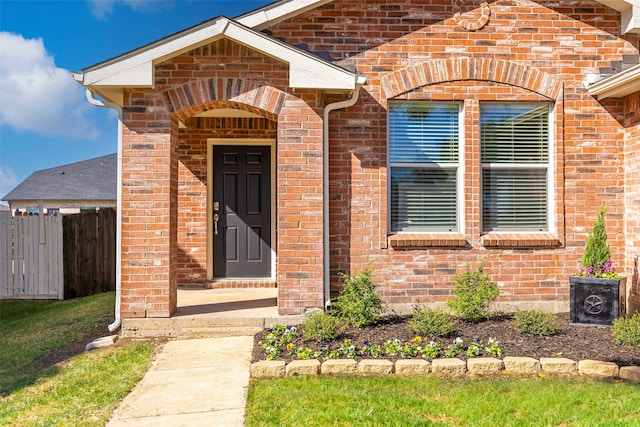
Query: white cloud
point(8, 180)
point(102, 9)
point(38, 96)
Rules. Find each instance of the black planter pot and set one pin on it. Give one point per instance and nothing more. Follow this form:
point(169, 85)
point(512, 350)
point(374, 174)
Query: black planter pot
point(596, 301)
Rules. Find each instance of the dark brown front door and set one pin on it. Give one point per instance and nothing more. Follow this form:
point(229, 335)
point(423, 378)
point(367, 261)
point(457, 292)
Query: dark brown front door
point(241, 211)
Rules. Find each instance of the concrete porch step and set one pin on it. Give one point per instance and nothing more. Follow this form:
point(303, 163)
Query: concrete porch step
point(190, 327)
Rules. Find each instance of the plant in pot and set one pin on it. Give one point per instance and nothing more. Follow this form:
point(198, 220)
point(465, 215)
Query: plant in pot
point(597, 293)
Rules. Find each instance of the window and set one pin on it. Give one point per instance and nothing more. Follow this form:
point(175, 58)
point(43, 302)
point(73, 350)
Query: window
point(424, 160)
point(515, 159)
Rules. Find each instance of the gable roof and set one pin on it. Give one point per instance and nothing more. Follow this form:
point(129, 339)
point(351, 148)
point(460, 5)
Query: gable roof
point(136, 68)
point(93, 179)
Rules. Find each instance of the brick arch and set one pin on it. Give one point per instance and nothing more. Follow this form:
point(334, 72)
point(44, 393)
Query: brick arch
point(455, 69)
point(199, 96)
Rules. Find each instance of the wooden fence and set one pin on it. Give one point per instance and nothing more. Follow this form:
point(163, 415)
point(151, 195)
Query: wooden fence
point(89, 253)
point(31, 257)
point(57, 257)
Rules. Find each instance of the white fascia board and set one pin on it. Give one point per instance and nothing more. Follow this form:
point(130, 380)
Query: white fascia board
point(277, 12)
point(623, 83)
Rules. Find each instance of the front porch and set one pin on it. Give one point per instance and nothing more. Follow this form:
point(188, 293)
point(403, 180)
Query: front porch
point(213, 313)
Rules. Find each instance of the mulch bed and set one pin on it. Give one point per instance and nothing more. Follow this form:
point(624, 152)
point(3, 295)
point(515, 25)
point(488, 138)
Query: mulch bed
point(572, 341)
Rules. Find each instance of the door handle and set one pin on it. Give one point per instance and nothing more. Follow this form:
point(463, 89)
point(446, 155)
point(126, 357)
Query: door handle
point(216, 218)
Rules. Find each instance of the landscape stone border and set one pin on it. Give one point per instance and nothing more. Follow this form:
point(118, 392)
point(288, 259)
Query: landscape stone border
point(450, 368)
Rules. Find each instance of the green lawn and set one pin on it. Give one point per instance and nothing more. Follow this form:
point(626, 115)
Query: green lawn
point(431, 401)
point(82, 390)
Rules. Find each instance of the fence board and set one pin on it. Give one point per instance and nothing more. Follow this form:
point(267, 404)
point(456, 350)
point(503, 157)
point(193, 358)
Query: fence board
point(6, 259)
point(30, 257)
point(89, 253)
point(56, 257)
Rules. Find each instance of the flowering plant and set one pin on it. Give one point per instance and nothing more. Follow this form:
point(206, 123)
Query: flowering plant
point(606, 271)
point(596, 260)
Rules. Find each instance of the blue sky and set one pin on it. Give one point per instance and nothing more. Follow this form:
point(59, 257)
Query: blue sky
point(45, 120)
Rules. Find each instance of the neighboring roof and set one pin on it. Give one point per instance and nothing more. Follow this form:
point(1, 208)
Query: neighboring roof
point(94, 179)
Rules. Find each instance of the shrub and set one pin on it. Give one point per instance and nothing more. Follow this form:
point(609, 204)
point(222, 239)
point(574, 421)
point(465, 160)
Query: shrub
point(323, 327)
point(535, 322)
point(596, 260)
point(626, 330)
point(474, 292)
point(358, 301)
point(431, 322)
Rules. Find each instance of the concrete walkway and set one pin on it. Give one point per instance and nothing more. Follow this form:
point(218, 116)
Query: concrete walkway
point(197, 382)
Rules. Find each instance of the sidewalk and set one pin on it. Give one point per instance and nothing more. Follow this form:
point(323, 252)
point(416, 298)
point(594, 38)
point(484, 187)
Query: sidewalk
point(193, 382)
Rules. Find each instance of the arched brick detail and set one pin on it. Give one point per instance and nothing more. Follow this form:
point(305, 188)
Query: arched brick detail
point(447, 70)
point(198, 96)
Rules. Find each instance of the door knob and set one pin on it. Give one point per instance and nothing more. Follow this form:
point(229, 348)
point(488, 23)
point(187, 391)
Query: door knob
point(216, 218)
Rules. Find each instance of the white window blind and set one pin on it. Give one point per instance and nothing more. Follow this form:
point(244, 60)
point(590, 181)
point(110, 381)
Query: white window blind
point(424, 159)
point(515, 166)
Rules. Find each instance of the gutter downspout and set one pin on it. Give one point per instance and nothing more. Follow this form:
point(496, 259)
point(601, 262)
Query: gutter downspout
point(106, 104)
point(360, 80)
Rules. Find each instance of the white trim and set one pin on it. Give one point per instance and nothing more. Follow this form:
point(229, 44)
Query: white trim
point(618, 85)
point(549, 166)
point(458, 166)
point(211, 142)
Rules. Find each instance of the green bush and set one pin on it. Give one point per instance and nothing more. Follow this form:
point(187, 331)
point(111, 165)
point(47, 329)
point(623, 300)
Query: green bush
point(322, 327)
point(596, 251)
point(626, 330)
point(474, 292)
point(535, 322)
point(431, 322)
point(358, 302)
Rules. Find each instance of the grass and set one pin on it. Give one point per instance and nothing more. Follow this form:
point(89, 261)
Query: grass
point(431, 401)
point(82, 390)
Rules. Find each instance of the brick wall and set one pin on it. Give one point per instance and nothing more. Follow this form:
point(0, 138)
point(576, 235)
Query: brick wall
point(408, 50)
point(555, 41)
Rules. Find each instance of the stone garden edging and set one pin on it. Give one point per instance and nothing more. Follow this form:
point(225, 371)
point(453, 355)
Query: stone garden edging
point(453, 367)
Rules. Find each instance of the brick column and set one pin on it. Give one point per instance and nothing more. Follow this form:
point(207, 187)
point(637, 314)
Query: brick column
point(299, 207)
point(149, 216)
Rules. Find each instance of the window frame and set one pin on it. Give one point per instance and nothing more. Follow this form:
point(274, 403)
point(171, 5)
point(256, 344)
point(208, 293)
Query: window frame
point(458, 166)
point(549, 166)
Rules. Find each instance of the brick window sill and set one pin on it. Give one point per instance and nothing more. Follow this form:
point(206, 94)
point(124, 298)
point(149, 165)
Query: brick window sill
point(427, 240)
point(520, 240)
